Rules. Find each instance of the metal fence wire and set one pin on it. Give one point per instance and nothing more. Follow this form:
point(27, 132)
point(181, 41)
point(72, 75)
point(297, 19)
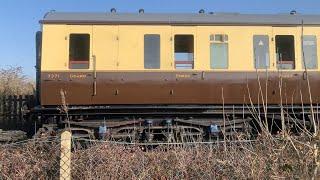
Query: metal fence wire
point(68, 157)
point(241, 159)
point(93, 159)
point(32, 159)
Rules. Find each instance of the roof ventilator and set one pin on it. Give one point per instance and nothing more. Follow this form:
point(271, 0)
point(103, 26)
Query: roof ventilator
point(141, 11)
point(293, 12)
point(113, 10)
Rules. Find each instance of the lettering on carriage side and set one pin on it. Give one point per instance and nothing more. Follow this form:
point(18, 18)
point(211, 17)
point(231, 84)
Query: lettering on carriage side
point(53, 76)
point(287, 75)
point(183, 75)
point(78, 76)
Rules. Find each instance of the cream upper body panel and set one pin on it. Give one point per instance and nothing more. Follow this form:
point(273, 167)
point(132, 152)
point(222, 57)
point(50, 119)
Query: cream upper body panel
point(54, 55)
point(121, 47)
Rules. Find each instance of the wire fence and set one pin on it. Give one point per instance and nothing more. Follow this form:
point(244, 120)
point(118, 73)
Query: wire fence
point(68, 157)
point(32, 159)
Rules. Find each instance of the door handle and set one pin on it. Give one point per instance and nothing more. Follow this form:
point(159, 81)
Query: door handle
point(304, 75)
point(94, 66)
point(94, 75)
point(202, 75)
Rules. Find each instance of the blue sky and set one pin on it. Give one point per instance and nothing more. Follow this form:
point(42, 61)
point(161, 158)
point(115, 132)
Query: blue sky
point(19, 18)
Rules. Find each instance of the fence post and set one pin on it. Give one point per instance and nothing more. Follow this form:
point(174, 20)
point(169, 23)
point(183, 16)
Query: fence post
point(20, 109)
point(14, 121)
point(9, 112)
point(1, 110)
point(65, 156)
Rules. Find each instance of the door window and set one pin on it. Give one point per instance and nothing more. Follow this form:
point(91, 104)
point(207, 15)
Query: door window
point(152, 51)
point(285, 52)
point(219, 51)
point(261, 51)
point(310, 52)
point(184, 51)
point(79, 50)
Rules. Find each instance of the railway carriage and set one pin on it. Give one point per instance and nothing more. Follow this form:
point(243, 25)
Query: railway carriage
point(157, 77)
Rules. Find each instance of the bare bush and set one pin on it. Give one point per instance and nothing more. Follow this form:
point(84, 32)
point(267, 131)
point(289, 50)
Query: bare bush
point(290, 157)
point(14, 82)
point(32, 160)
point(264, 159)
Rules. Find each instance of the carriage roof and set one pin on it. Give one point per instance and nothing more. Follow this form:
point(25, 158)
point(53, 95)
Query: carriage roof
point(180, 19)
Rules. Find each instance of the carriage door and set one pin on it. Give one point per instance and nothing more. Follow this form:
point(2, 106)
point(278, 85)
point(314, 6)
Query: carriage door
point(80, 65)
point(310, 66)
point(286, 46)
point(186, 87)
point(104, 51)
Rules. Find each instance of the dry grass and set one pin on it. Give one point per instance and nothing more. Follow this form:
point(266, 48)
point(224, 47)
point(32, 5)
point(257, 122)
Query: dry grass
point(31, 160)
point(14, 82)
point(290, 157)
point(269, 157)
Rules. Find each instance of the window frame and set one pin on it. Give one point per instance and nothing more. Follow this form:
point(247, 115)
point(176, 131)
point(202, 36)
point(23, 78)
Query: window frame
point(268, 50)
point(87, 62)
point(294, 52)
point(192, 63)
point(144, 48)
point(303, 56)
point(224, 40)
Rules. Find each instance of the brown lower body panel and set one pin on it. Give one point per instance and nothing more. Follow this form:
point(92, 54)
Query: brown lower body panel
point(196, 87)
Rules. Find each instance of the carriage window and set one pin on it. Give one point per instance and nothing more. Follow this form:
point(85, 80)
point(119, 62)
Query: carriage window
point(152, 51)
point(79, 48)
point(261, 51)
point(183, 51)
point(219, 51)
point(285, 52)
point(310, 52)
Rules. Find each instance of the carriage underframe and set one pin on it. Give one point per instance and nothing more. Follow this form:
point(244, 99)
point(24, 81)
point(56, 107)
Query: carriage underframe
point(171, 124)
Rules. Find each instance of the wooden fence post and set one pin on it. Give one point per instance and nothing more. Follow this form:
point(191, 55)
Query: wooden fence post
point(65, 156)
point(20, 109)
point(14, 120)
point(1, 110)
point(9, 112)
